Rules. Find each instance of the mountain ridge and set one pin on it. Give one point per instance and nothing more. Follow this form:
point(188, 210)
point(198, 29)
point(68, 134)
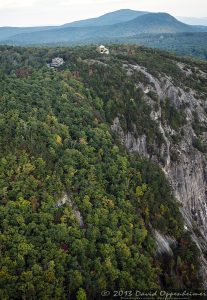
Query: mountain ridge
point(145, 23)
point(7, 31)
point(118, 16)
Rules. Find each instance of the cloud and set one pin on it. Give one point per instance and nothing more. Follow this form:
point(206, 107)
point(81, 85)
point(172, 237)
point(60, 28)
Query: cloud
point(85, 2)
point(13, 4)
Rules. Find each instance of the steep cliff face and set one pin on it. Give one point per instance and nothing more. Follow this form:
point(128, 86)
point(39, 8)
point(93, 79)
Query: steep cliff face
point(182, 154)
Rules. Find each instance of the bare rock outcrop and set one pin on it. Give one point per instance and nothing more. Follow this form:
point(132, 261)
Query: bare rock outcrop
point(66, 200)
point(187, 173)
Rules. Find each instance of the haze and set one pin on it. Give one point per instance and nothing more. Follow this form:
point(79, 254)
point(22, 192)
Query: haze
point(55, 12)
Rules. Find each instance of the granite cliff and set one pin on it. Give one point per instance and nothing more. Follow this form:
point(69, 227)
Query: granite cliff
point(182, 158)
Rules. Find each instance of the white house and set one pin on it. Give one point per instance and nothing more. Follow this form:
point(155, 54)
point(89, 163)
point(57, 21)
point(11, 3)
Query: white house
point(56, 62)
point(103, 50)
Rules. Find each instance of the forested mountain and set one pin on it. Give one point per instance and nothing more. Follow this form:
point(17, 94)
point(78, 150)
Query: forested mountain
point(88, 155)
point(156, 23)
point(146, 23)
point(7, 32)
point(119, 16)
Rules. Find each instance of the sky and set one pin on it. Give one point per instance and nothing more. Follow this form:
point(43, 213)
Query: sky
point(56, 12)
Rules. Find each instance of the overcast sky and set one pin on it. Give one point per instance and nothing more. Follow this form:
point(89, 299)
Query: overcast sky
point(48, 12)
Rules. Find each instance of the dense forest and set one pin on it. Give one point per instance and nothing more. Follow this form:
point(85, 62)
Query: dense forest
point(192, 44)
point(77, 210)
point(183, 44)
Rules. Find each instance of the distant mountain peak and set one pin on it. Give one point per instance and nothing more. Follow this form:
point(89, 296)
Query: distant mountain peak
point(117, 24)
point(110, 18)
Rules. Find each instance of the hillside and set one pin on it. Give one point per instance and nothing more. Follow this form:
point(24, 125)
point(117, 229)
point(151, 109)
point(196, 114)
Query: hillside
point(102, 174)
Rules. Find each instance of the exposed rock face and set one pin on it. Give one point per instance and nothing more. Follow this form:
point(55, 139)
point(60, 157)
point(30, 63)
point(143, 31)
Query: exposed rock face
point(135, 144)
point(164, 243)
point(187, 173)
point(66, 200)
